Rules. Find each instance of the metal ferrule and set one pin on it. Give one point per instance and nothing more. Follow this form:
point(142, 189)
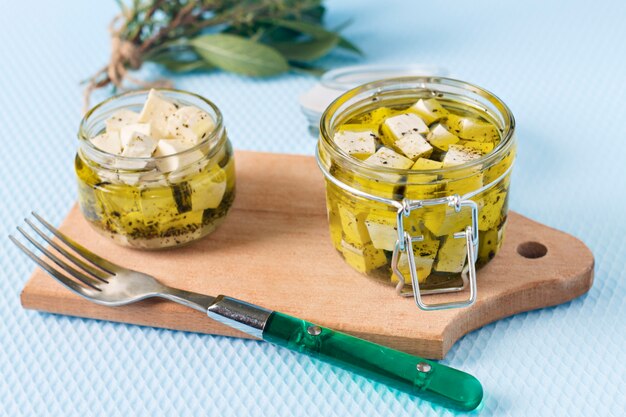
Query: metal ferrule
point(245, 317)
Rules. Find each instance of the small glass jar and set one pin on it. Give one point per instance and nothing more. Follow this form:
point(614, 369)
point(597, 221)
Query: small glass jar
point(155, 202)
point(453, 217)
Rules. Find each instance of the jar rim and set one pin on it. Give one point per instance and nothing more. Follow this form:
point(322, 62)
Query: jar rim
point(85, 139)
point(386, 85)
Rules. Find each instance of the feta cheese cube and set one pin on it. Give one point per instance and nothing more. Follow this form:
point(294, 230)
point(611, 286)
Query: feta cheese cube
point(464, 181)
point(443, 221)
point(488, 244)
point(190, 123)
point(158, 202)
point(482, 147)
point(353, 225)
point(385, 157)
point(419, 165)
point(424, 254)
point(425, 163)
point(470, 128)
point(127, 132)
point(207, 189)
point(458, 155)
point(430, 110)
point(491, 210)
point(167, 160)
point(121, 118)
point(155, 112)
point(397, 126)
point(451, 255)
point(382, 230)
point(108, 142)
point(414, 146)
point(441, 138)
point(360, 144)
point(423, 267)
point(139, 146)
point(363, 258)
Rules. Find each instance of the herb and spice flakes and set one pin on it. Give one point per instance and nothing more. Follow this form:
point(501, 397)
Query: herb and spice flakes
point(418, 139)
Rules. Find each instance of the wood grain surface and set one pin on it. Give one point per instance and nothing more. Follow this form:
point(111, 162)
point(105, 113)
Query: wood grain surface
point(274, 250)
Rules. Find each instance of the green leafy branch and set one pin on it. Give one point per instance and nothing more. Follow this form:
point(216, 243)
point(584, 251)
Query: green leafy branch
point(250, 37)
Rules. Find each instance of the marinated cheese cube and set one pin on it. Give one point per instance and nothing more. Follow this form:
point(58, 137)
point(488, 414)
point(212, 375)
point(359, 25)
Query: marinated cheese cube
point(359, 144)
point(482, 147)
point(363, 258)
point(423, 267)
point(419, 185)
point(491, 209)
point(108, 142)
point(207, 189)
point(186, 220)
point(441, 138)
point(127, 132)
point(156, 110)
point(121, 118)
point(444, 220)
point(499, 168)
point(118, 199)
point(488, 244)
point(167, 160)
point(393, 128)
point(334, 222)
point(451, 255)
point(430, 110)
point(375, 118)
point(386, 157)
point(138, 146)
point(382, 229)
point(129, 222)
point(470, 128)
point(191, 124)
point(464, 185)
point(467, 180)
point(158, 204)
point(426, 164)
point(424, 253)
point(458, 154)
point(353, 225)
point(414, 146)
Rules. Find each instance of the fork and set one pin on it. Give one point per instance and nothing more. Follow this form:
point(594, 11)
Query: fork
point(106, 283)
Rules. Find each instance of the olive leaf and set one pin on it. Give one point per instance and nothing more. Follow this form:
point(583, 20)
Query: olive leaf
point(308, 50)
point(237, 54)
point(317, 32)
point(185, 66)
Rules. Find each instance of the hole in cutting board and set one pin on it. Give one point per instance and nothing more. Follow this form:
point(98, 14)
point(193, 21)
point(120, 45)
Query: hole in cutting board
point(532, 250)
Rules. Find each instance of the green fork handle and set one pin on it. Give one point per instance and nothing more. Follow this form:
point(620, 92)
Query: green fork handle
point(411, 374)
point(419, 377)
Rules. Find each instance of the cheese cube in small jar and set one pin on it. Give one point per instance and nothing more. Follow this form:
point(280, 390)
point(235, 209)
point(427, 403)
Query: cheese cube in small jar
point(155, 168)
point(431, 140)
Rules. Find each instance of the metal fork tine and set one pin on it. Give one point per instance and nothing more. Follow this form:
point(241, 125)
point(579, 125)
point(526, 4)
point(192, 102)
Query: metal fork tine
point(68, 283)
point(93, 283)
point(82, 251)
point(102, 276)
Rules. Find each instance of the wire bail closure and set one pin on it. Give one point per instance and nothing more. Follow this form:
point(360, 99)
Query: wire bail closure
point(405, 244)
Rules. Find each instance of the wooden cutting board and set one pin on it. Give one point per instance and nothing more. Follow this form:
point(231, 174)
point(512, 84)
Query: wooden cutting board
point(274, 250)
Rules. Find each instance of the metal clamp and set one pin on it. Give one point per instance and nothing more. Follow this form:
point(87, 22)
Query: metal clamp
point(405, 244)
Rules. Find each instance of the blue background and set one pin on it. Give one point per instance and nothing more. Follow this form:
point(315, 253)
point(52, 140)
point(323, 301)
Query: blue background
point(561, 67)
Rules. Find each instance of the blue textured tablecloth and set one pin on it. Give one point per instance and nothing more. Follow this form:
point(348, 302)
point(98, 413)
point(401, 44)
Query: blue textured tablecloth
point(561, 67)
